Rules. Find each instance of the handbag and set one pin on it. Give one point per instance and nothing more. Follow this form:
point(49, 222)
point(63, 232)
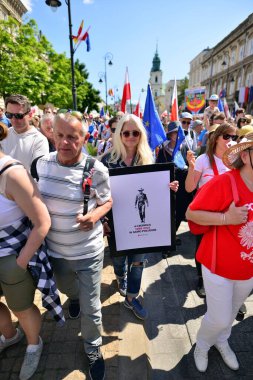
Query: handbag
point(214, 228)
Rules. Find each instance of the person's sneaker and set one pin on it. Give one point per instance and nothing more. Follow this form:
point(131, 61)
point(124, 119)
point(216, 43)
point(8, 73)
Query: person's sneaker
point(96, 365)
point(228, 355)
point(201, 359)
point(136, 308)
point(31, 362)
point(4, 343)
point(74, 309)
point(200, 290)
point(122, 285)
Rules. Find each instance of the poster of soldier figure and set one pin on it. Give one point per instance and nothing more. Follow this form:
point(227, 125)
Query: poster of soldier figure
point(143, 209)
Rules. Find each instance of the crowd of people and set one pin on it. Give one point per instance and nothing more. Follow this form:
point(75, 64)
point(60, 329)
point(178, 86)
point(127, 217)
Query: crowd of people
point(66, 208)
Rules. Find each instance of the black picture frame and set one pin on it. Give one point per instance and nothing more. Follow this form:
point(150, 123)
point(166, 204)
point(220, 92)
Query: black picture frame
point(151, 171)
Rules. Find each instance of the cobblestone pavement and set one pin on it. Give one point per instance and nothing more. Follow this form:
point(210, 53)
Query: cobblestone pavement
point(159, 349)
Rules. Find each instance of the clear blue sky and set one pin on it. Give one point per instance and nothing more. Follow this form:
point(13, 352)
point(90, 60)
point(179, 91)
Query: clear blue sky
point(130, 30)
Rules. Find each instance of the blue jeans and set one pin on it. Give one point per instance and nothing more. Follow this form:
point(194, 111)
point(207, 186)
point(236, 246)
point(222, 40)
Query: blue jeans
point(123, 266)
point(81, 279)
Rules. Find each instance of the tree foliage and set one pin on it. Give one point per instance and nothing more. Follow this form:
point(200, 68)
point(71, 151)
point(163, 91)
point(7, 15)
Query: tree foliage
point(181, 89)
point(30, 66)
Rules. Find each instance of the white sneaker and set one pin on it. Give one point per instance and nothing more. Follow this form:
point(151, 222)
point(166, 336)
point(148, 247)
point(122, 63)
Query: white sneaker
point(31, 362)
point(4, 343)
point(201, 359)
point(228, 355)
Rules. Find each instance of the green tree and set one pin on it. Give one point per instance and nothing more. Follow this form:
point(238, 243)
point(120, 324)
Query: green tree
point(181, 89)
point(29, 65)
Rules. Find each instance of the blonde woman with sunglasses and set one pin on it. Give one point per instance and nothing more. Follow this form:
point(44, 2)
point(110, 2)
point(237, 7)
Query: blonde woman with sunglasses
point(130, 148)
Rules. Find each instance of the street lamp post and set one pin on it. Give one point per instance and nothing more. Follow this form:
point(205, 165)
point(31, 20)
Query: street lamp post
point(103, 75)
point(54, 4)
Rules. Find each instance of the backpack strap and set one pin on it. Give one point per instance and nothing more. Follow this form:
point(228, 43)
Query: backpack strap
point(87, 182)
point(10, 165)
point(34, 172)
point(214, 167)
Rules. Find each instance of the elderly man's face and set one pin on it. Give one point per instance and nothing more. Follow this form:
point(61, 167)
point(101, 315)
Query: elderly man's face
point(69, 141)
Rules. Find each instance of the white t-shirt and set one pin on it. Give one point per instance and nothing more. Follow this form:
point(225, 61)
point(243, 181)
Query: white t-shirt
point(10, 213)
point(26, 146)
point(203, 166)
point(61, 189)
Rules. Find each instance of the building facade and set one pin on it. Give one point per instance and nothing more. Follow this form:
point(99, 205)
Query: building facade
point(228, 66)
point(13, 8)
point(195, 73)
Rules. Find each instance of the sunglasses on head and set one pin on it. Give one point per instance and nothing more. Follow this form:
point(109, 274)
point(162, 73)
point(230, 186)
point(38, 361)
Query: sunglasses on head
point(19, 116)
point(130, 133)
point(227, 137)
point(243, 120)
point(186, 122)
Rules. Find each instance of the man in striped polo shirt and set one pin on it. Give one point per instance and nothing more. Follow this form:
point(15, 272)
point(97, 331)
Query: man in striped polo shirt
point(75, 241)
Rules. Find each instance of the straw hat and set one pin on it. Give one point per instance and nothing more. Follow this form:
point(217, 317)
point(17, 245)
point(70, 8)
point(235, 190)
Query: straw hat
point(233, 153)
point(213, 128)
point(244, 130)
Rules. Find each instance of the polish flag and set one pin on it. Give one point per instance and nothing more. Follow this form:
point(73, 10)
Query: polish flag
point(174, 105)
point(137, 110)
point(126, 93)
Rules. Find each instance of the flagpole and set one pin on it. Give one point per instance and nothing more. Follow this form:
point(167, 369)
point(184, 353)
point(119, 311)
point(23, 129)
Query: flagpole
point(72, 57)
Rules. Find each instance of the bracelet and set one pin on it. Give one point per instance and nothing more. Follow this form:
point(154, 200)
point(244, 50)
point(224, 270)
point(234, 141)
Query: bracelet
point(223, 216)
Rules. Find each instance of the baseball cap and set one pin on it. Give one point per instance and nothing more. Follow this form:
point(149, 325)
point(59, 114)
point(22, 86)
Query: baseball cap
point(196, 123)
point(214, 97)
point(186, 115)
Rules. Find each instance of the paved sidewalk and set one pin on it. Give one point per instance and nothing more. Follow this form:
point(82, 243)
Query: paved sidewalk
point(159, 349)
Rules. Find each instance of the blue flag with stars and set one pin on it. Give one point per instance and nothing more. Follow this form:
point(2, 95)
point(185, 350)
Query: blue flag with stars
point(152, 123)
point(177, 155)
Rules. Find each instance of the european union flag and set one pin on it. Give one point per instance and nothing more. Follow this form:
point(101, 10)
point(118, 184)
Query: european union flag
point(152, 123)
point(176, 155)
point(102, 112)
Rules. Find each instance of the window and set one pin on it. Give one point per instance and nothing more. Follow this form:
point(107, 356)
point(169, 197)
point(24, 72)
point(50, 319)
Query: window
point(241, 53)
point(156, 79)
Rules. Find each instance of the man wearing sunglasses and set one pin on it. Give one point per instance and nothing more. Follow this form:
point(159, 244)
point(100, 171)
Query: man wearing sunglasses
point(24, 141)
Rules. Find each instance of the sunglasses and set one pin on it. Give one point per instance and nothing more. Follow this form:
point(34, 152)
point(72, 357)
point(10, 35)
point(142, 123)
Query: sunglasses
point(227, 137)
point(18, 116)
point(113, 130)
point(186, 122)
point(243, 121)
point(131, 133)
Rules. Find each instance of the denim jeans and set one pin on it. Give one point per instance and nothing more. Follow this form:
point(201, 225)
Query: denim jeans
point(123, 266)
point(81, 279)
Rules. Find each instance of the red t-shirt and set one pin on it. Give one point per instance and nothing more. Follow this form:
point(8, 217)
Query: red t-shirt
point(234, 253)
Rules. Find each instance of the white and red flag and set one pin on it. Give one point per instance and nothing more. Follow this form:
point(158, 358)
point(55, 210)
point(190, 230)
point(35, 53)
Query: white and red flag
point(174, 104)
point(126, 92)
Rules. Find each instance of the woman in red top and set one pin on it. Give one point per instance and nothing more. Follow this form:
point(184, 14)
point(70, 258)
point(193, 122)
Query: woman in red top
point(228, 269)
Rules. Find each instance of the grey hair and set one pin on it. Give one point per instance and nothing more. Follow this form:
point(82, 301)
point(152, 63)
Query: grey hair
point(70, 118)
point(47, 117)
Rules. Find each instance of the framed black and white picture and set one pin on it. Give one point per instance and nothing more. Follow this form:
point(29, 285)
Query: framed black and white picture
point(143, 212)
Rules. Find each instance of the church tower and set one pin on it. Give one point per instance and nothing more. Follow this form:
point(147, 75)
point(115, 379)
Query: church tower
point(156, 76)
point(156, 83)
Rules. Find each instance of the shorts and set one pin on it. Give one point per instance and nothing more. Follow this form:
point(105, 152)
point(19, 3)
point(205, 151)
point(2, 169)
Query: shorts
point(16, 284)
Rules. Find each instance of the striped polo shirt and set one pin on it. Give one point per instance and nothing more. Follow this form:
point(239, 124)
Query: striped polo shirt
point(61, 188)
